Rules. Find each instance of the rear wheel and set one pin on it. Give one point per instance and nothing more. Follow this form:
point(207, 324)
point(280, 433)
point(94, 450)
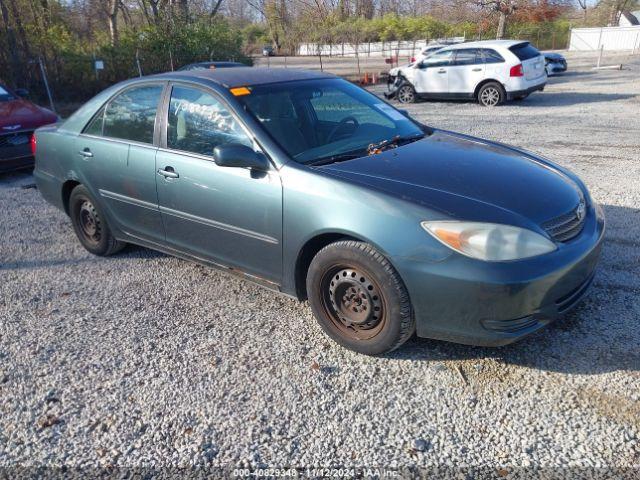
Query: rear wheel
point(90, 225)
point(406, 94)
point(359, 299)
point(491, 94)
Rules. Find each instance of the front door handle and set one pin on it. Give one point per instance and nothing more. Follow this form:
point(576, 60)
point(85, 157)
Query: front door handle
point(476, 70)
point(168, 172)
point(442, 70)
point(86, 153)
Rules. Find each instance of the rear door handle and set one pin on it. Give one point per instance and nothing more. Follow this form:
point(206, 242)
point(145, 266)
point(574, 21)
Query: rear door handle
point(442, 70)
point(168, 172)
point(476, 70)
point(86, 153)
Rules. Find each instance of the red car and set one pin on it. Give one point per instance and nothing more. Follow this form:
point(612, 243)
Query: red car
point(18, 119)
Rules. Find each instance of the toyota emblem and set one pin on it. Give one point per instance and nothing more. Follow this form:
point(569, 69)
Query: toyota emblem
point(581, 210)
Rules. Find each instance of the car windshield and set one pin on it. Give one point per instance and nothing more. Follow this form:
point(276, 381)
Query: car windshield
point(5, 95)
point(327, 120)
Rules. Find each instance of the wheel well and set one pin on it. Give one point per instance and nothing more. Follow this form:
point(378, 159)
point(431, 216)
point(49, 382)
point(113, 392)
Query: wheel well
point(67, 188)
point(308, 251)
point(484, 82)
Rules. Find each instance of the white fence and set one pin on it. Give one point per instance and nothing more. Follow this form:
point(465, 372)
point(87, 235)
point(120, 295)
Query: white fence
point(611, 38)
point(371, 49)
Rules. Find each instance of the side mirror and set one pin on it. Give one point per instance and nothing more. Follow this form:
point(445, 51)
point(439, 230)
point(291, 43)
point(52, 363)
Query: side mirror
point(22, 92)
point(239, 156)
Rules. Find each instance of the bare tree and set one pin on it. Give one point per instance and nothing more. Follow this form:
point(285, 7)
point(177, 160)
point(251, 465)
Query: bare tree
point(114, 6)
point(215, 8)
point(504, 8)
point(583, 5)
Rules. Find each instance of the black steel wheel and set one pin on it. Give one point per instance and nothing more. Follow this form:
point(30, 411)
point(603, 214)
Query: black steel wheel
point(90, 225)
point(358, 298)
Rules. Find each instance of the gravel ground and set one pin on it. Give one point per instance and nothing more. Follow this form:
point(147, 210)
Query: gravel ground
point(142, 359)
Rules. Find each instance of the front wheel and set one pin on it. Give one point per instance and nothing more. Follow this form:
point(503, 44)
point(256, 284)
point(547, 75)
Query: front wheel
point(491, 94)
point(359, 299)
point(406, 94)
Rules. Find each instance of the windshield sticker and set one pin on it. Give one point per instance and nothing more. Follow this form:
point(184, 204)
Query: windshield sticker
point(390, 111)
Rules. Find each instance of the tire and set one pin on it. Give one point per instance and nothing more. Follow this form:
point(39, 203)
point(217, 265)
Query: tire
point(491, 94)
point(90, 224)
point(359, 299)
point(406, 93)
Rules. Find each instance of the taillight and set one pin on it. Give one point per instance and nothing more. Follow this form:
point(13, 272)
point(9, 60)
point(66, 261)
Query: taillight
point(34, 144)
point(516, 71)
point(413, 59)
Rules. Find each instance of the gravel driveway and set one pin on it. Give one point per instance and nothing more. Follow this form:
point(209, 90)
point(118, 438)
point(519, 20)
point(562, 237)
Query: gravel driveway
point(142, 359)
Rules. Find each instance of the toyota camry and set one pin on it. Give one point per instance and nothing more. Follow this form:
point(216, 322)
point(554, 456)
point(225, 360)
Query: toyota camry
point(313, 187)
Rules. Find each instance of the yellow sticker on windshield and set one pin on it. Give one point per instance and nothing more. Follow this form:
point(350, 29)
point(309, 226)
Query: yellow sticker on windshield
point(239, 91)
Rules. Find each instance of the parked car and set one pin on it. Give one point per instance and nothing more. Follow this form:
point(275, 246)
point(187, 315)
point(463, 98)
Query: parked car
point(313, 187)
point(18, 119)
point(210, 66)
point(489, 71)
point(267, 51)
point(554, 63)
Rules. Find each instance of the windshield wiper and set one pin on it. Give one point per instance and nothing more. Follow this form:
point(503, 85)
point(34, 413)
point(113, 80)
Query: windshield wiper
point(342, 157)
point(372, 149)
point(395, 142)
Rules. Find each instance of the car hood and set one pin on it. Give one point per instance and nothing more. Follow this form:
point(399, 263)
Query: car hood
point(451, 173)
point(553, 56)
point(21, 114)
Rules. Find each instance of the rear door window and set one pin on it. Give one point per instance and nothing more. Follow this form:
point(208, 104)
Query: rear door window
point(467, 56)
point(524, 51)
point(131, 115)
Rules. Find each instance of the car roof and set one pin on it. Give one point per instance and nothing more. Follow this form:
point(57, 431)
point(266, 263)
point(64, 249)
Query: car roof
point(218, 63)
point(488, 44)
point(237, 77)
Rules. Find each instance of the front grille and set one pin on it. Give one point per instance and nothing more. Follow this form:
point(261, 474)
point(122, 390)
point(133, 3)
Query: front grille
point(15, 139)
point(567, 226)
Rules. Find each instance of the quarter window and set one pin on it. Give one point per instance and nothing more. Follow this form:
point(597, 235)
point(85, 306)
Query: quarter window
point(198, 122)
point(95, 126)
point(132, 114)
point(491, 56)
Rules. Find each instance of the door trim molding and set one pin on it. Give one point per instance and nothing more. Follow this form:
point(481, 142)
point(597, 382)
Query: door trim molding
point(219, 225)
point(130, 200)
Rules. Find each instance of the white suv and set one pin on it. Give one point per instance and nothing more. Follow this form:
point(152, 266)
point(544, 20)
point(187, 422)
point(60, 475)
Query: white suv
point(490, 71)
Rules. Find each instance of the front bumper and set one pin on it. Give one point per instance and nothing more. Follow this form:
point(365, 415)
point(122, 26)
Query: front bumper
point(556, 67)
point(489, 304)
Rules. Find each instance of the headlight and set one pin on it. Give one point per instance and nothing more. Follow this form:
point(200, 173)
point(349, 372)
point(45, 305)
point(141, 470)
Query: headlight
point(491, 242)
